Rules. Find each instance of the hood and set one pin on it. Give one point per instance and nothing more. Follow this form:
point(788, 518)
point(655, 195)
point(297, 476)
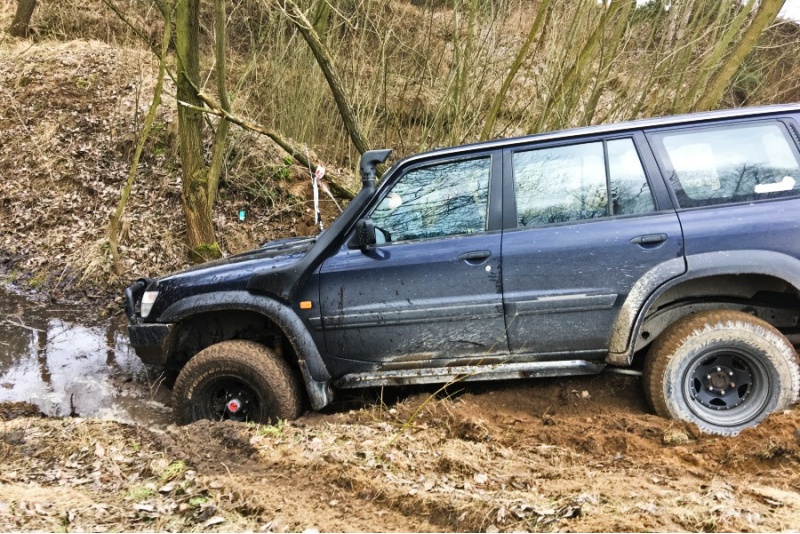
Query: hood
point(275, 250)
point(230, 273)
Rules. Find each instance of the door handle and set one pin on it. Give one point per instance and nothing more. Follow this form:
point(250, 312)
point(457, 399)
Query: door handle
point(649, 239)
point(475, 256)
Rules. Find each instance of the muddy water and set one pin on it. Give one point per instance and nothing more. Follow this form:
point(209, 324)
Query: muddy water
point(53, 356)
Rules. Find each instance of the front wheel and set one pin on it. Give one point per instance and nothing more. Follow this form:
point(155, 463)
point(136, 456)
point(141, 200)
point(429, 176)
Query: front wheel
point(236, 380)
point(722, 370)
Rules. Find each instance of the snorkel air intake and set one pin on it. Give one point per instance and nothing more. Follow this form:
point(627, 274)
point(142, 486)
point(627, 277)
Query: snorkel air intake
point(283, 282)
point(369, 163)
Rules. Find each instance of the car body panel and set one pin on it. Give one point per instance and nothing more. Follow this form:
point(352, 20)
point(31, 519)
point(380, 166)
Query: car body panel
point(564, 285)
point(570, 292)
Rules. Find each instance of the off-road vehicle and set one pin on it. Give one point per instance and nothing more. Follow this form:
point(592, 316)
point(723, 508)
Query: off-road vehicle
point(673, 241)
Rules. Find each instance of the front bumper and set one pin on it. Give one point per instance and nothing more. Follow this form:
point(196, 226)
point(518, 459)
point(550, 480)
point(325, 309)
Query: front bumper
point(151, 341)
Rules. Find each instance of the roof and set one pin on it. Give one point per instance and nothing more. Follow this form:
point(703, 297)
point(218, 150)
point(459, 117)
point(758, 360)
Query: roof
point(600, 129)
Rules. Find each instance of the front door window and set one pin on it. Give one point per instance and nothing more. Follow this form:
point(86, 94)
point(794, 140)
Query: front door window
point(437, 201)
point(429, 291)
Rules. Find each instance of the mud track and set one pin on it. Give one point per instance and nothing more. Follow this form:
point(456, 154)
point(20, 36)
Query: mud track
point(578, 454)
point(581, 454)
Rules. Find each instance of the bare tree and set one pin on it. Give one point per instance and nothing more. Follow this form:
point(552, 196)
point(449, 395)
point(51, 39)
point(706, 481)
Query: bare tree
point(200, 182)
point(326, 63)
point(767, 11)
point(541, 14)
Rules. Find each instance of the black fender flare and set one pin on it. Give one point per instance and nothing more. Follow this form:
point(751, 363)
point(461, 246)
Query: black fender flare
point(315, 373)
point(659, 279)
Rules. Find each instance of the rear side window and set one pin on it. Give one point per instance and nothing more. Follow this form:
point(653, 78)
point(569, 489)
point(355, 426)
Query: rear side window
point(739, 163)
point(578, 182)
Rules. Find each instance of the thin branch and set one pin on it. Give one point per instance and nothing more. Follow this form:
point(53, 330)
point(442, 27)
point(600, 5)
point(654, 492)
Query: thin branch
point(326, 63)
point(214, 109)
point(767, 11)
point(113, 225)
point(522, 54)
point(218, 154)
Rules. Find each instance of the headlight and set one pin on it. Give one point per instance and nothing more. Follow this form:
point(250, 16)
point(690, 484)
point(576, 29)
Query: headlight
point(148, 299)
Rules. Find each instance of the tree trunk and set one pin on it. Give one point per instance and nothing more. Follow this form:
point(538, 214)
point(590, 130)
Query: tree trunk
point(221, 135)
point(519, 59)
point(196, 203)
point(325, 61)
point(767, 11)
point(718, 49)
point(568, 88)
point(608, 56)
point(22, 18)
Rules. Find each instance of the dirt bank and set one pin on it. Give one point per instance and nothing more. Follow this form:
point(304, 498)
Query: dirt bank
point(70, 115)
point(550, 455)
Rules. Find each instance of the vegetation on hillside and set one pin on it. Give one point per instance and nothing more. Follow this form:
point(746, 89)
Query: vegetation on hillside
point(414, 74)
point(77, 85)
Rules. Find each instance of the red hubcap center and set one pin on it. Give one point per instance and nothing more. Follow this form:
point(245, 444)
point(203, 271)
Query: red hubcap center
point(234, 405)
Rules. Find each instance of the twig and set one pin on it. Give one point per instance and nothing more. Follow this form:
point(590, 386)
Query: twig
point(22, 325)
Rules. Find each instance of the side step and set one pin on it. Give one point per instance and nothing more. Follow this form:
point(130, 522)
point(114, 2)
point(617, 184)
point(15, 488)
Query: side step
point(468, 373)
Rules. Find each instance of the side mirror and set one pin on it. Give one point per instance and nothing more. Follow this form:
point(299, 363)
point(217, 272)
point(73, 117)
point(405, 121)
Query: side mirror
point(365, 234)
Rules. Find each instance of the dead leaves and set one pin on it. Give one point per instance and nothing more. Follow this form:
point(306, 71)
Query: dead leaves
point(69, 116)
point(93, 475)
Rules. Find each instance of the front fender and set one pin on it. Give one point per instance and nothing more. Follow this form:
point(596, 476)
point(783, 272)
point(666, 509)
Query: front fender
point(315, 373)
point(671, 273)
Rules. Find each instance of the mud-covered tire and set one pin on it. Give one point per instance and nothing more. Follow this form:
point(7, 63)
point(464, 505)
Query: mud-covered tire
point(722, 370)
point(250, 375)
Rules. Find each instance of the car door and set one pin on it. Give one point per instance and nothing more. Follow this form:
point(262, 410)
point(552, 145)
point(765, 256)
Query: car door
point(582, 224)
point(431, 288)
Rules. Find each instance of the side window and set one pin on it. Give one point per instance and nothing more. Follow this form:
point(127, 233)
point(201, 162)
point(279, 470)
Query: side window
point(436, 201)
point(630, 192)
point(739, 163)
point(577, 182)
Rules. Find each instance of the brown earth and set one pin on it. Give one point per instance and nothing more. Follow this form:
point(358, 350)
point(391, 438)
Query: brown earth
point(70, 115)
point(579, 454)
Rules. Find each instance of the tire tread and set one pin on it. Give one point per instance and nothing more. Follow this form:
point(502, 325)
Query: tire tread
point(226, 354)
point(665, 347)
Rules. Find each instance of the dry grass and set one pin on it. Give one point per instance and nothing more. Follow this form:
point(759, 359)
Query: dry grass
point(419, 74)
point(71, 112)
point(424, 74)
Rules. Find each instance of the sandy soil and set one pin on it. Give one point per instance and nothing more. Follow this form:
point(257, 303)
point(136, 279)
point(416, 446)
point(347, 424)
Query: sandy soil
point(576, 454)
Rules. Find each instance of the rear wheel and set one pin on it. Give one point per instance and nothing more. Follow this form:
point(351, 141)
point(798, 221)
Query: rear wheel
point(722, 370)
point(239, 381)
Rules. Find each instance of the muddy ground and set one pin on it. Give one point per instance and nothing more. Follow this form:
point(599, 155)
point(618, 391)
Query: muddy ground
point(581, 454)
point(570, 454)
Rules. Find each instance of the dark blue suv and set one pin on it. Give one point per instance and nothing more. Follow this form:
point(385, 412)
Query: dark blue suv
point(677, 239)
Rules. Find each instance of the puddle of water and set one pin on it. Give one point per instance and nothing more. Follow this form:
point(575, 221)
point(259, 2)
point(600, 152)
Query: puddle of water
point(67, 364)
